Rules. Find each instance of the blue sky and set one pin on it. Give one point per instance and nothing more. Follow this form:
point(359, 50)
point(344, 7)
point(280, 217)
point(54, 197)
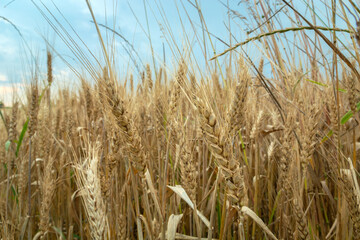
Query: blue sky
point(17, 56)
point(125, 16)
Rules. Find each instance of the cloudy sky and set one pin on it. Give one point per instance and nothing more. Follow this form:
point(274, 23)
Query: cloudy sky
point(25, 34)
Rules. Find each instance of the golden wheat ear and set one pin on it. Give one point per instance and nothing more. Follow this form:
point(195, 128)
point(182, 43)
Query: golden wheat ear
point(87, 180)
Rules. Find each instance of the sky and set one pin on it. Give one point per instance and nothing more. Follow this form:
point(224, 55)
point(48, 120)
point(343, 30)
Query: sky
point(25, 40)
point(25, 35)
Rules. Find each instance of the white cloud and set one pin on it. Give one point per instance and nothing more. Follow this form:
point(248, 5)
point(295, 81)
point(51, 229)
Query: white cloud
point(3, 78)
point(9, 92)
point(62, 74)
point(64, 78)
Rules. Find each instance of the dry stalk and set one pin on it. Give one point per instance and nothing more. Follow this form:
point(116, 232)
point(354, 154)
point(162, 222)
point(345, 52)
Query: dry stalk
point(47, 191)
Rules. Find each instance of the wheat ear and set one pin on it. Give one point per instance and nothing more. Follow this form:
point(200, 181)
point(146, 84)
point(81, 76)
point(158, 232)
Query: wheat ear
point(86, 174)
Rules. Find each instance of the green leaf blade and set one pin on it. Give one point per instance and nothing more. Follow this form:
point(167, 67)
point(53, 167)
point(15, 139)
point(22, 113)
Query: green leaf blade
point(21, 137)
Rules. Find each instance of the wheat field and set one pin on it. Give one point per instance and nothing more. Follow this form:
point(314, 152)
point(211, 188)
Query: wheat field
point(238, 150)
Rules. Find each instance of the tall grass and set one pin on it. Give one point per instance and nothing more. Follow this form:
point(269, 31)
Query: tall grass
point(242, 149)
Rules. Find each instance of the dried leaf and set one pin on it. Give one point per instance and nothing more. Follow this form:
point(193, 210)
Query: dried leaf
point(172, 226)
point(252, 214)
point(179, 190)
